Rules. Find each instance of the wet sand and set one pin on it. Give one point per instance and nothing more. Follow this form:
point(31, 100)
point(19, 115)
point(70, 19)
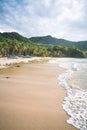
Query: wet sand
point(31, 99)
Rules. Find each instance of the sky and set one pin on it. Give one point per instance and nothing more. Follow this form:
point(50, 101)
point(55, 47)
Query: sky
point(65, 19)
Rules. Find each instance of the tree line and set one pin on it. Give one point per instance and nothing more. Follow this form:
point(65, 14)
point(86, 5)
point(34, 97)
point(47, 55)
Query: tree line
point(18, 48)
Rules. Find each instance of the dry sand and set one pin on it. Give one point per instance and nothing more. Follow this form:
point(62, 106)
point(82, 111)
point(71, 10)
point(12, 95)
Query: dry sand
point(31, 99)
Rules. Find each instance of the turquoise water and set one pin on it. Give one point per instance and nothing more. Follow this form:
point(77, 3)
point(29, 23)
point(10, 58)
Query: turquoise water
point(74, 81)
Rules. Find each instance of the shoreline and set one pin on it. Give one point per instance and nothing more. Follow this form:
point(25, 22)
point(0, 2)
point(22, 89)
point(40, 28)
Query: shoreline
point(32, 98)
point(75, 102)
point(6, 62)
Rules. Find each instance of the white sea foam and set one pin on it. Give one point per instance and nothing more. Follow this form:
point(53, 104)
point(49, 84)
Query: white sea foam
point(75, 102)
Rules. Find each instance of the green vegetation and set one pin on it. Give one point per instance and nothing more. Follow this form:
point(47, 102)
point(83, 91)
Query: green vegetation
point(49, 40)
point(12, 36)
point(15, 44)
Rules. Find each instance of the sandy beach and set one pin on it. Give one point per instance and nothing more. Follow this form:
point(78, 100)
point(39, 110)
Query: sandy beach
point(31, 99)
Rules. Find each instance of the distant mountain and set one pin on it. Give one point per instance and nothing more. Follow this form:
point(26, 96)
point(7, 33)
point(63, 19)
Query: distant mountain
point(43, 40)
point(82, 45)
point(49, 40)
point(13, 36)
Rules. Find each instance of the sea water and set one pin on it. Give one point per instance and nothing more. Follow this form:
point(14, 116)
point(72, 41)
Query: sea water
point(74, 80)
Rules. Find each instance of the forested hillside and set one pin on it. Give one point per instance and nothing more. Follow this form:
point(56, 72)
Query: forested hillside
point(13, 36)
point(82, 45)
point(15, 44)
point(49, 40)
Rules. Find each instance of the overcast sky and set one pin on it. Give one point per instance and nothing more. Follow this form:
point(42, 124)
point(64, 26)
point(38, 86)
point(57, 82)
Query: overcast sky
point(60, 18)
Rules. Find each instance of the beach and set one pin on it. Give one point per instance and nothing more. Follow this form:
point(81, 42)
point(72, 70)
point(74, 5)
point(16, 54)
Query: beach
point(31, 98)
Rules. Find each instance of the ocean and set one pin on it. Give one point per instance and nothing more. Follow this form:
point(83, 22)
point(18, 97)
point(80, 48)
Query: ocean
point(74, 81)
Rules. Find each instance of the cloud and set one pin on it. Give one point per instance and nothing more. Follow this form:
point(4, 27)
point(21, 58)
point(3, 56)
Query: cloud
point(62, 19)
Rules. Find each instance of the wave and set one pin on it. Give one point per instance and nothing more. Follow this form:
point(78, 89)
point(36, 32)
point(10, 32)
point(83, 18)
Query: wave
point(75, 102)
